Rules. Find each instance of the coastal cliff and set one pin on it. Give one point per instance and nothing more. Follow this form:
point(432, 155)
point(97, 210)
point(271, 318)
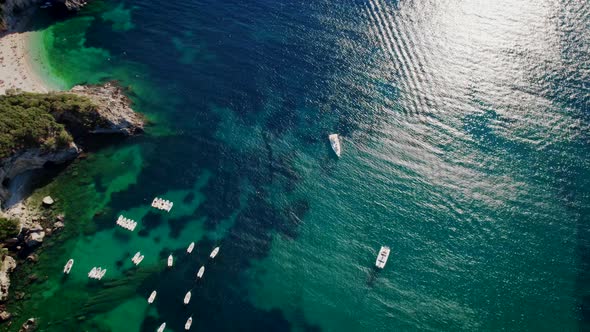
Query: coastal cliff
point(82, 112)
point(10, 9)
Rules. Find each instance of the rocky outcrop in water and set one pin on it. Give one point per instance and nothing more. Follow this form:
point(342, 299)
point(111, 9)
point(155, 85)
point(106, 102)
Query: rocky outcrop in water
point(114, 109)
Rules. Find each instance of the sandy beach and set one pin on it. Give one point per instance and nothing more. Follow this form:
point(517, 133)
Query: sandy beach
point(16, 71)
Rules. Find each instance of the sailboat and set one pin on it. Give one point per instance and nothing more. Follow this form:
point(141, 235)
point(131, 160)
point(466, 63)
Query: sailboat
point(187, 297)
point(190, 247)
point(162, 327)
point(170, 261)
point(201, 272)
point(214, 252)
point(189, 322)
point(152, 297)
point(68, 266)
point(335, 143)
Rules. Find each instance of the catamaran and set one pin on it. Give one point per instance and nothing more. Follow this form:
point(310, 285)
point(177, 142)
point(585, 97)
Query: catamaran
point(201, 272)
point(152, 297)
point(170, 261)
point(190, 247)
point(335, 143)
point(382, 257)
point(68, 266)
point(214, 252)
point(189, 322)
point(187, 297)
point(162, 327)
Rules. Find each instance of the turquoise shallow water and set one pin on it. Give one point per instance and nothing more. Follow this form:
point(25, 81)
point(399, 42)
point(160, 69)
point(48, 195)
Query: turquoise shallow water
point(465, 144)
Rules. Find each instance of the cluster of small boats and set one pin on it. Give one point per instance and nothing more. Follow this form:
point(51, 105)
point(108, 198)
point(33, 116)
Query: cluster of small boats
point(97, 273)
point(126, 223)
point(137, 258)
point(162, 204)
point(188, 295)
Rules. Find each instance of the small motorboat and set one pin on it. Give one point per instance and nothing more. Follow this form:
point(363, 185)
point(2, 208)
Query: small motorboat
point(382, 257)
point(101, 274)
point(139, 259)
point(152, 297)
point(190, 247)
point(92, 273)
point(189, 322)
point(201, 272)
point(335, 143)
point(187, 297)
point(170, 261)
point(68, 266)
point(214, 252)
point(135, 257)
point(162, 327)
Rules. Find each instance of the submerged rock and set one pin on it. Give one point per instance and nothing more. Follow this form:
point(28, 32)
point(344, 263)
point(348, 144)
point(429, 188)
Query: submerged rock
point(4, 316)
point(34, 239)
point(29, 326)
point(58, 225)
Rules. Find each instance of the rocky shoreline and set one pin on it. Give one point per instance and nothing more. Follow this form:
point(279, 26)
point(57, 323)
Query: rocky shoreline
point(112, 115)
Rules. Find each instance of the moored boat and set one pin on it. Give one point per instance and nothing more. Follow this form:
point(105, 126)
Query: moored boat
point(189, 322)
point(152, 297)
point(214, 252)
point(92, 273)
point(187, 297)
point(201, 272)
point(335, 143)
point(68, 266)
point(162, 327)
point(139, 259)
point(190, 247)
point(170, 261)
point(382, 257)
point(101, 274)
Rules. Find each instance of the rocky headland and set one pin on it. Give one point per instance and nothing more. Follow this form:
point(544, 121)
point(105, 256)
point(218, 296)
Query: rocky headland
point(75, 117)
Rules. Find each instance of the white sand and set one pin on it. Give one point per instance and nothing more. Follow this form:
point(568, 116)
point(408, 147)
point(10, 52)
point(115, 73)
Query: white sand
point(15, 67)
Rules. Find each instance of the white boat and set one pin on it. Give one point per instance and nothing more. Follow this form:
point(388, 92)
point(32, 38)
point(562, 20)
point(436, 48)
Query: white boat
point(101, 274)
point(170, 261)
point(190, 247)
point(162, 327)
point(187, 297)
point(214, 252)
point(152, 297)
point(139, 260)
point(201, 272)
point(68, 266)
point(189, 322)
point(335, 143)
point(135, 257)
point(92, 273)
point(382, 257)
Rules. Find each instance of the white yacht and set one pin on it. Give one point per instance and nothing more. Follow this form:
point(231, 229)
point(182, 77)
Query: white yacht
point(201, 272)
point(189, 322)
point(152, 297)
point(68, 266)
point(335, 143)
point(214, 252)
point(162, 327)
point(187, 297)
point(382, 257)
point(190, 247)
point(170, 261)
